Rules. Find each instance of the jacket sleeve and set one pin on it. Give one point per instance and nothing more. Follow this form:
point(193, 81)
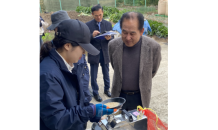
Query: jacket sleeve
point(91, 37)
point(110, 54)
point(52, 110)
point(86, 84)
point(112, 37)
point(110, 29)
point(156, 60)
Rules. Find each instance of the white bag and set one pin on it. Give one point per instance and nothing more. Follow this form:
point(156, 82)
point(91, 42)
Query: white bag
point(166, 13)
point(161, 7)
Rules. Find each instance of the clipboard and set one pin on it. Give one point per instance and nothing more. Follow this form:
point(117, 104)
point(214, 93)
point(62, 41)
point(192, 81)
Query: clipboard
point(102, 36)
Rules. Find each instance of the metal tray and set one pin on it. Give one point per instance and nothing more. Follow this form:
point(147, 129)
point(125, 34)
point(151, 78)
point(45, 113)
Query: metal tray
point(120, 100)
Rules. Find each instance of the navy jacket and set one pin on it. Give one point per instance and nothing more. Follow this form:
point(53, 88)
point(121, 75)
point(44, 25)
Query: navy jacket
point(82, 71)
point(62, 102)
point(97, 43)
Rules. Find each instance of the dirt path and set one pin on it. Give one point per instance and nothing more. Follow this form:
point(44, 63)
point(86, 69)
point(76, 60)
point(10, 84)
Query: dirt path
point(159, 94)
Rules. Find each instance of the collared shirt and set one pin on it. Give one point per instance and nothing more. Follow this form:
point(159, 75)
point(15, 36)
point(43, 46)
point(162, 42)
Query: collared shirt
point(68, 66)
point(98, 22)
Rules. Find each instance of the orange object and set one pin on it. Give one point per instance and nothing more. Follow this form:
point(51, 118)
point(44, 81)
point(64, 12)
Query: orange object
point(153, 122)
point(114, 108)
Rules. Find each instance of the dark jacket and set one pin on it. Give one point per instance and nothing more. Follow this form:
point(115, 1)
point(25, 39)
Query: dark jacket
point(82, 71)
point(62, 105)
point(97, 43)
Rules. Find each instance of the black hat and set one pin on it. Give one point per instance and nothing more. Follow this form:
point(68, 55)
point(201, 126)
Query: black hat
point(57, 18)
point(77, 32)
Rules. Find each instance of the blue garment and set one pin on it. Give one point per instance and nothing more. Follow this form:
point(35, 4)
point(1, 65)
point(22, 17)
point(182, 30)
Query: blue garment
point(82, 71)
point(94, 72)
point(62, 102)
point(146, 27)
point(117, 27)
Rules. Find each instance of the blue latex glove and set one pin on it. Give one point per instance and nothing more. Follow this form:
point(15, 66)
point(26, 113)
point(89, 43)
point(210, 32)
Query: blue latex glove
point(99, 111)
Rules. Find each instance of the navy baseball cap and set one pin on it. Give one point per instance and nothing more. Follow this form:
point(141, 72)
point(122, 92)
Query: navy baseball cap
point(77, 32)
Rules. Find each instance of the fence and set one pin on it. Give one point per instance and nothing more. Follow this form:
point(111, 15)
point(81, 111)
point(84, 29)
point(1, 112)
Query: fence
point(55, 5)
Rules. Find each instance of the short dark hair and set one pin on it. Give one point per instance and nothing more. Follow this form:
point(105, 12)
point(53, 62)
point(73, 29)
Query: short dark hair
point(96, 8)
point(131, 15)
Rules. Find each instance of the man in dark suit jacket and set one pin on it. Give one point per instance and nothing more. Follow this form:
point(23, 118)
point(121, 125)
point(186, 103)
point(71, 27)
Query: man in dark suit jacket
point(99, 25)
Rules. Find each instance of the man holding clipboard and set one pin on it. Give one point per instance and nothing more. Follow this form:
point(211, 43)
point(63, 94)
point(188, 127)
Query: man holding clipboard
point(97, 26)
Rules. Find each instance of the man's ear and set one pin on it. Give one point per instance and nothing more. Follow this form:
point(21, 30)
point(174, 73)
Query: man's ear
point(141, 32)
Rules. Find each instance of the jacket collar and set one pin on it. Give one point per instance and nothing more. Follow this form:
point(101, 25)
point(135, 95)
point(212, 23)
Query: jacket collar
point(102, 21)
point(59, 61)
point(65, 62)
point(144, 56)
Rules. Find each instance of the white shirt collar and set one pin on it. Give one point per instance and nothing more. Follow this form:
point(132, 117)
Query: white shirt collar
point(68, 66)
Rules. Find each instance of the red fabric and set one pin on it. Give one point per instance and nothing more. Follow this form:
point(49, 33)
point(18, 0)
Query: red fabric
point(151, 121)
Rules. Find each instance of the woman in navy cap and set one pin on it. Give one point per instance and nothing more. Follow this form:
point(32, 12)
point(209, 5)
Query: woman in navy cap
point(62, 105)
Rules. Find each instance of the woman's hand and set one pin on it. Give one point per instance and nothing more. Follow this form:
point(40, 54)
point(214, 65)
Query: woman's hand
point(99, 111)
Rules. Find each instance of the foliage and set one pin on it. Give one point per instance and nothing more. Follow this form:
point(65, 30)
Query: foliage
point(116, 17)
point(158, 29)
point(109, 10)
point(151, 2)
point(82, 9)
point(47, 37)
